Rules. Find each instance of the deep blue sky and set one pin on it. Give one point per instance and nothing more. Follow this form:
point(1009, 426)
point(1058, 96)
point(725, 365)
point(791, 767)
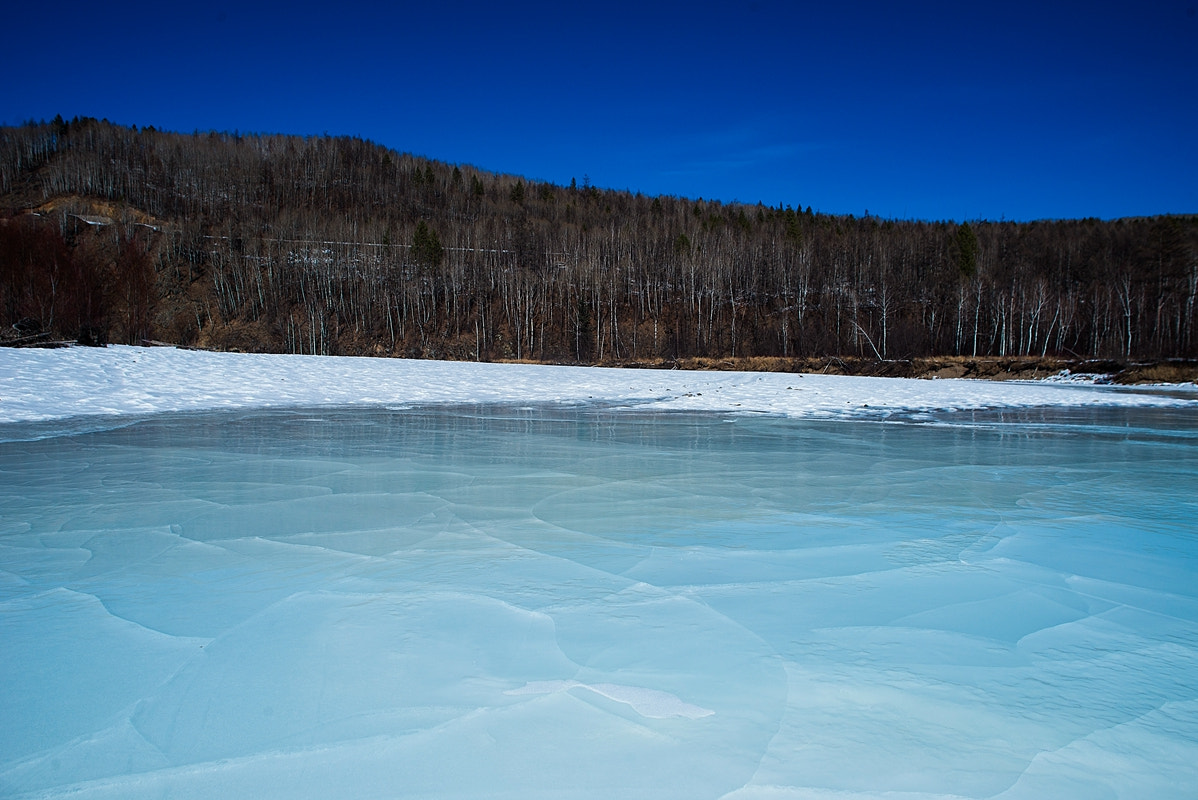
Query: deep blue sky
point(905, 109)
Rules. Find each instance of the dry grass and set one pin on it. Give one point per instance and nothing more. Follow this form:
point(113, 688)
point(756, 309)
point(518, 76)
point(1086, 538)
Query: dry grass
point(984, 368)
point(1160, 372)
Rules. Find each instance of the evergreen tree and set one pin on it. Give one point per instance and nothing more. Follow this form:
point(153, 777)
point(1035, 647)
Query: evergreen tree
point(967, 250)
point(426, 246)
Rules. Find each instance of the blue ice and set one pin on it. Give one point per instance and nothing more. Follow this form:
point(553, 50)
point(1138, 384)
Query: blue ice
point(487, 601)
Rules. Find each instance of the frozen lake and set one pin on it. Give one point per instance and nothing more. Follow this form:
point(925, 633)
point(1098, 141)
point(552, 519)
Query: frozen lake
point(537, 601)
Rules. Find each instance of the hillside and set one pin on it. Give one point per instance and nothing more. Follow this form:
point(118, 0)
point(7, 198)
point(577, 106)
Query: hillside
point(273, 243)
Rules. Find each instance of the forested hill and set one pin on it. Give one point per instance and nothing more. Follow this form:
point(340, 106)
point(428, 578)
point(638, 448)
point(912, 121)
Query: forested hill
point(337, 245)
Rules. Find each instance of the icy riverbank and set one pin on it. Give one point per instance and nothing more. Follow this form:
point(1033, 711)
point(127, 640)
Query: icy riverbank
point(55, 384)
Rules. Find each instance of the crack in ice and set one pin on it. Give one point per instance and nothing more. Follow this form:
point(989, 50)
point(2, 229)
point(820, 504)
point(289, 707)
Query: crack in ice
point(651, 703)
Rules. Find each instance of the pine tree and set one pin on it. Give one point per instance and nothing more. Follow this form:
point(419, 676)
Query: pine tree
point(426, 246)
point(967, 250)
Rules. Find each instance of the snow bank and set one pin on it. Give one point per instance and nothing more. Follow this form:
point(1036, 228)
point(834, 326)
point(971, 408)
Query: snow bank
point(55, 384)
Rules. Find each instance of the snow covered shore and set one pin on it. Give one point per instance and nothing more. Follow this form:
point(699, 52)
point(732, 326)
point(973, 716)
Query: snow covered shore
point(56, 384)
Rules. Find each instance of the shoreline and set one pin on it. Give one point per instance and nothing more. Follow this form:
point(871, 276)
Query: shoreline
point(1123, 372)
point(1117, 371)
point(44, 384)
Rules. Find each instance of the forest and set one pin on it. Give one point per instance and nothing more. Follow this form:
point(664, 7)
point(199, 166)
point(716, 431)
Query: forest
point(336, 245)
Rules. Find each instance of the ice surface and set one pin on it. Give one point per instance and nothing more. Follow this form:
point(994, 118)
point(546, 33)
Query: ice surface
point(646, 702)
point(586, 600)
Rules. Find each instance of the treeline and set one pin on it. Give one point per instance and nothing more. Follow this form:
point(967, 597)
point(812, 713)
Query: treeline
point(338, 245)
